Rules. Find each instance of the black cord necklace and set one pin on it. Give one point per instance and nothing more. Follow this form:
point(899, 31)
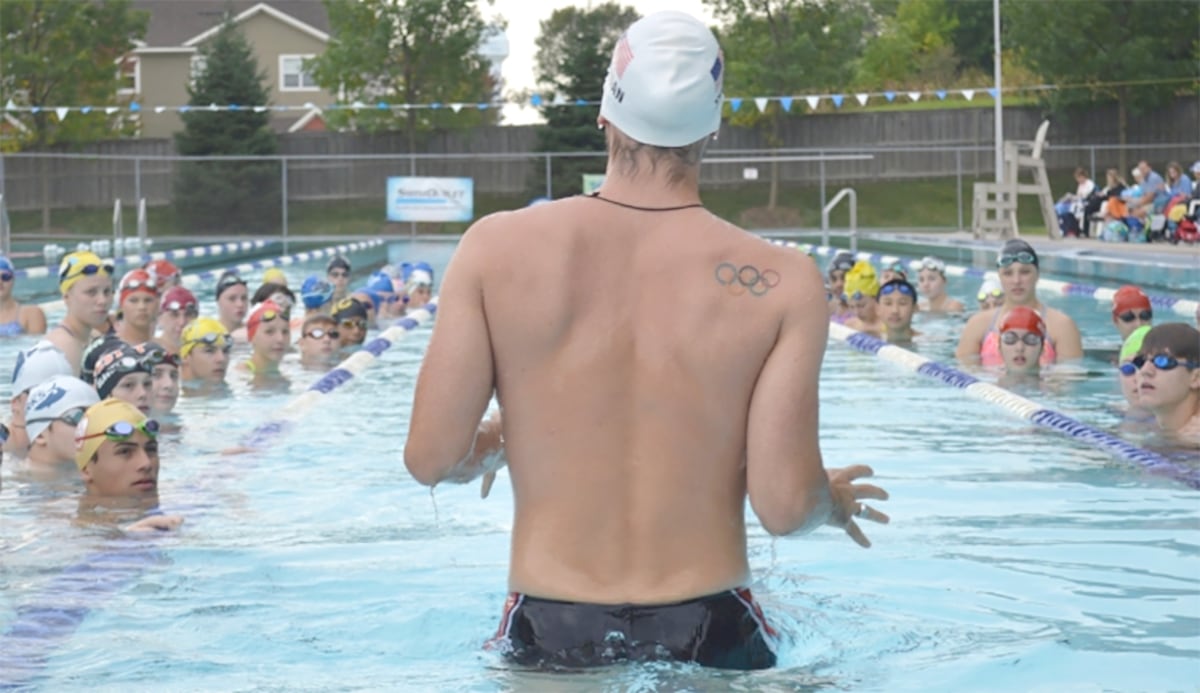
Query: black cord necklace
point(626, 205)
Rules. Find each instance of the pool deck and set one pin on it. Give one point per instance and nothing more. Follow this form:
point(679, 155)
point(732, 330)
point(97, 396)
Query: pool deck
point(1186, 256)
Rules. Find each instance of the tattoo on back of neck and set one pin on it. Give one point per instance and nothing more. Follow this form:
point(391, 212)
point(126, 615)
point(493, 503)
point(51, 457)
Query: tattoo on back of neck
point(745, 279)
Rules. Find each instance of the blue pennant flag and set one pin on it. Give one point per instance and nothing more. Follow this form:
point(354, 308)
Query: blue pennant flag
point(382, 105)
point(85, 109)
point(581, 102)
point(435, 105)
point(890, 96)
point(941, 94)
point(786, 103)
point(234, 107)
point(185, 108)
point(482, 106)
point(36, 109)
point(134, 107)
point(735, 104)
point(535, 100)
point(837, 100)
point(992, 92)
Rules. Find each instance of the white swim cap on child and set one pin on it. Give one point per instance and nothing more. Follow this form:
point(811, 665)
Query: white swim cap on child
point(664, 84)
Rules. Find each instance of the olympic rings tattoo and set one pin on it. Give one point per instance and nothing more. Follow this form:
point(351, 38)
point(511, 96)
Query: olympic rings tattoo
point(746, 278)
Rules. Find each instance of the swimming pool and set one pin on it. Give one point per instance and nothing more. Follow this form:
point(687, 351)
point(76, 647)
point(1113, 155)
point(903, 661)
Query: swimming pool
point(1016, 559)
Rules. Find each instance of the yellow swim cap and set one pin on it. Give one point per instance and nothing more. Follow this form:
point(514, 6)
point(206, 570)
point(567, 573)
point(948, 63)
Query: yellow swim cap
point(202, 331)
point(274, 275)
point(861, 280)
point(89, 434)
point(1133, 343)
point(78, 265)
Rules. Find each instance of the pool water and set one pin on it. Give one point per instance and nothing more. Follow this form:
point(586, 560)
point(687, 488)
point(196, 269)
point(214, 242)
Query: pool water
point(1017, 559)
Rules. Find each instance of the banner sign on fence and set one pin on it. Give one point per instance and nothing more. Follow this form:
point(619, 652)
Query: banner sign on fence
point(430, 199)
point(592, 182)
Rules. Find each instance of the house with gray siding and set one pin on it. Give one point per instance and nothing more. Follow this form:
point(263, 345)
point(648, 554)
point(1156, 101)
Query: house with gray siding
point(282, 33)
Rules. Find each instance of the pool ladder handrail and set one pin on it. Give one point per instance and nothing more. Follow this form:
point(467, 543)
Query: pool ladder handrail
point(5, 229)
point(844, 192)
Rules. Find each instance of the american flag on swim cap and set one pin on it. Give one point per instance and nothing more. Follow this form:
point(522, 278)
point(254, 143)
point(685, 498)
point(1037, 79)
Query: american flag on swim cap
point(622, 56)
point(718, 67)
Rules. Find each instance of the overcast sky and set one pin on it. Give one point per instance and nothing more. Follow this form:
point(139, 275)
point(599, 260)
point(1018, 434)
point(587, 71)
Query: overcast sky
point(524, 18)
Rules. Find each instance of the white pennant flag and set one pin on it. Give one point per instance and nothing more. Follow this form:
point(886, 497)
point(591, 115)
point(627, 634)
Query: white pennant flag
point(62, 112)
point(761, 102)
point(110, 110)
point(456, 107)
point(559, 100)
point(260, 109)
point(914, 95)
point(10, 105)
point(813, 101)
point(862, 99)
point(968, 93)
point(159, 109)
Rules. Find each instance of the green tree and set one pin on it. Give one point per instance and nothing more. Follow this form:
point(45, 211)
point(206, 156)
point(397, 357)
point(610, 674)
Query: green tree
point(219, 195)
point(782, 48)
point(914, 48)
point(972, 37)
point(1133, 53)
point(574, 49)
point(410, 52)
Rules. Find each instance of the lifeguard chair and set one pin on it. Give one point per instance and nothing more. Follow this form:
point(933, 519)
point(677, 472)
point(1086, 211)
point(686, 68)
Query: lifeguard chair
point(994, 211)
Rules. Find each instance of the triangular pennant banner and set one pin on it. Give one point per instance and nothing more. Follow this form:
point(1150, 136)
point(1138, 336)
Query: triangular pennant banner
point(735, 104)
point(862, 99)
point(482, 106)
point(785, 102)
point(968, 94)
point(357, 105)
point(85, 110)
point(159, 109)
point(260, 109)
point(35, 109)
point(761, 102)
point(111, 110)
point(184, 108)
point(535, 100)
point(559, 100)
point(890, 96)
point(61, 112)
point(941, 94)
point(914, 95)
point(581, 102)
point(134, 107)
point(837, 100)
point(435, 105)
point(10, 105)
point(813, 101)
point(456, 107)
point(992, 92)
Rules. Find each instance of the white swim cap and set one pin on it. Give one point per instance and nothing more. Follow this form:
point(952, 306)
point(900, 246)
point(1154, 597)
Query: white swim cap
point(664, 84)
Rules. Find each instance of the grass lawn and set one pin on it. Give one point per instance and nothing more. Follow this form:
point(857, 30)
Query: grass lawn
point(927, 204)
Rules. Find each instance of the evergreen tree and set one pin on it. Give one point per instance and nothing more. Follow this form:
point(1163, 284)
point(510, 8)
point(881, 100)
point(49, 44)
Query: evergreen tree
point(574, 50)
point(228, 196)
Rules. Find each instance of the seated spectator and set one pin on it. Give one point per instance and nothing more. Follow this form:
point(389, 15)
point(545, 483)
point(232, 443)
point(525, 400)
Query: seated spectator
point(1153, 193)
point(1071, 206)
point(1178, 184)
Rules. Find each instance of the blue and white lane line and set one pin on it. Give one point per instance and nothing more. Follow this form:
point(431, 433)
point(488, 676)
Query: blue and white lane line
point(352, 366)
point(1016, 405)
point(196, 279)
point(1181, 306)
point(54, 614)
point(180, 254)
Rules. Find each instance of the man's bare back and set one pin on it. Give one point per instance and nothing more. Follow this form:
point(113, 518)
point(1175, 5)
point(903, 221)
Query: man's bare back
point(626, 355)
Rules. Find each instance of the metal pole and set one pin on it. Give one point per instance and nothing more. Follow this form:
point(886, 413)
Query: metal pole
point(1092, 159)
point(284, 201)
point(412, 171)
point(549, 186)
point(999, 112)
point(137, 179)
point(821, 169)
point(958, 185)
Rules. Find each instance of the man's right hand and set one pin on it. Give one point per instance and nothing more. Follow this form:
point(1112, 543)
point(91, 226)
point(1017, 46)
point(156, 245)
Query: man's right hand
point(847, 501)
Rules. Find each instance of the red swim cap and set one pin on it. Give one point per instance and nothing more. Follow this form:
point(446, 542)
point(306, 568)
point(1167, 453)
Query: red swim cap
point(1022, 318)
point(1130, 297)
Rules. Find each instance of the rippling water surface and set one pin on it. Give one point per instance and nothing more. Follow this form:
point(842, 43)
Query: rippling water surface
point(1017, 559)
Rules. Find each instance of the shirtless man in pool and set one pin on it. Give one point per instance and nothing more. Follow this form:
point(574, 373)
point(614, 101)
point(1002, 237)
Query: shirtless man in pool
point(638, 415)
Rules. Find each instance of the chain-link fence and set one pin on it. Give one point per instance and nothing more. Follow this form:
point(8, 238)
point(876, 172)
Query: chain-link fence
point(919, 187)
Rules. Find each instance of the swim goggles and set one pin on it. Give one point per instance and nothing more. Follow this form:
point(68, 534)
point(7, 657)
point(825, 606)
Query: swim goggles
point(282, 300)
point(1030, 338)
point(891, 288)
point(338, 274)
point(933, 263)
point(270, 314)
point(228, 281)
point(74, 270)
point(135, 284)
point(1129, 316)
point(189, 309)
point(71, 417)
point(898, 267)
point(1024, 257)
point(318, 333)
point(994, 293)
point(213, 339)
point(1163, 362)
point(122, 430)
point(6, 276)
point(357, 323)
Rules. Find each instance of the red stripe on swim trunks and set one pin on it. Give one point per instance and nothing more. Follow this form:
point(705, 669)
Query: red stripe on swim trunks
point(622, 57)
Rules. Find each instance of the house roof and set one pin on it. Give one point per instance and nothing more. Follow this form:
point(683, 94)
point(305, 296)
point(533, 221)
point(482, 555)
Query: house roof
point(174, 23)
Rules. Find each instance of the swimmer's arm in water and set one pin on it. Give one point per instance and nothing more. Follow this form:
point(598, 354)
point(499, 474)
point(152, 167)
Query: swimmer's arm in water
point(160, 523)
point(447, 439)
point(971, 340)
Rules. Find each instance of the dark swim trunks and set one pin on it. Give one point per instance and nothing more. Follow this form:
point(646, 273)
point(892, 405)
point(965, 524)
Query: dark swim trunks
point(725, 630)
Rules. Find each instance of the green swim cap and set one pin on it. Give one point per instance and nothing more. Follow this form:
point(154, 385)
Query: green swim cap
point(1133, 343)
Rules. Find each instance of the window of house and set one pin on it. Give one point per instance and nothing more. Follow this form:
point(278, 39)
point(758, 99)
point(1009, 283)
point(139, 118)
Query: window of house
point(197, 66)
point(292, 76)
point(129, 75)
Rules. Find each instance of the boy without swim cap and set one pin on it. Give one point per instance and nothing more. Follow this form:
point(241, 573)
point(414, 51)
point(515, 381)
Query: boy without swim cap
point(202, 331)
point(665, 82)
point(337, 261)
point(54, 398)
point(89, 434)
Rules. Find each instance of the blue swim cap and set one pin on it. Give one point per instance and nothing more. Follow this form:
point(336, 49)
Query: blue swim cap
point(315, 292)
point(6, 264)
point(380, 283)
point(424, 266)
